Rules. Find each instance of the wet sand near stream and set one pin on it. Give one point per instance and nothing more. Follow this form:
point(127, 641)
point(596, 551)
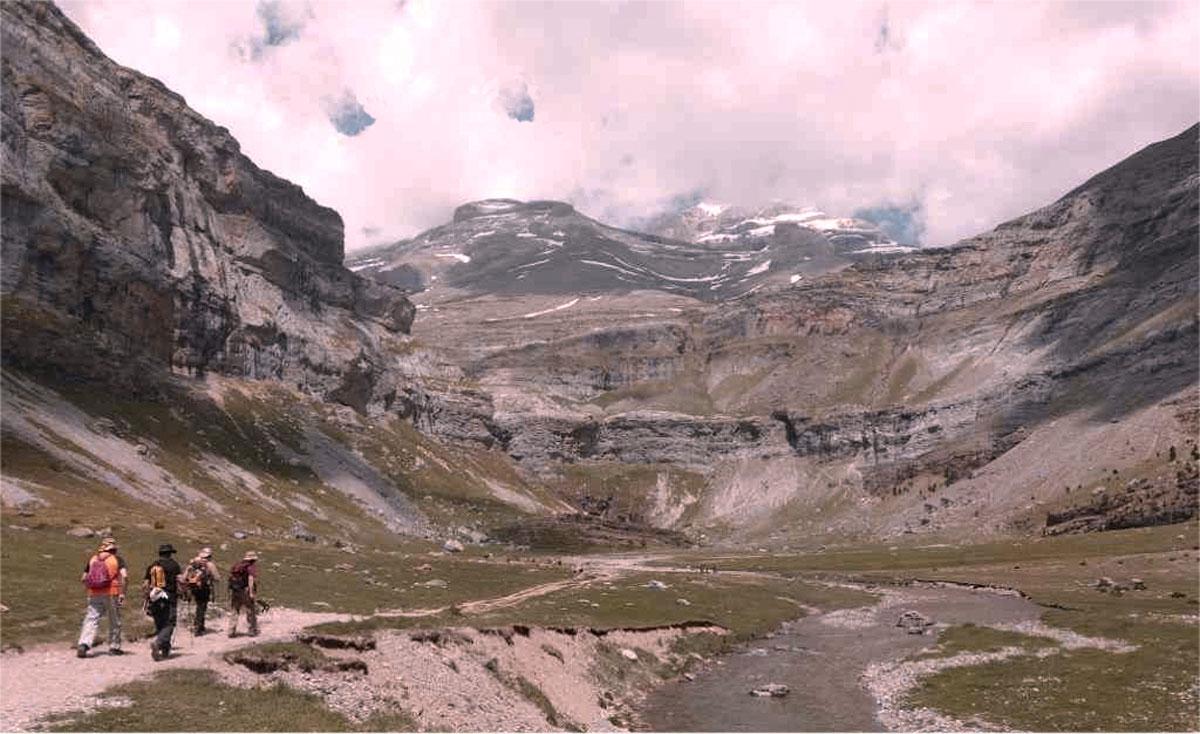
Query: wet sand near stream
point(821, 658)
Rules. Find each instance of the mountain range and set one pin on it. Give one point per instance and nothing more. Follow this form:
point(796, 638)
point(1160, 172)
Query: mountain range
point(182, 328)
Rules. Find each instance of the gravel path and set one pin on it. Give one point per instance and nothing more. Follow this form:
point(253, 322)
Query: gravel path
point(49, 679)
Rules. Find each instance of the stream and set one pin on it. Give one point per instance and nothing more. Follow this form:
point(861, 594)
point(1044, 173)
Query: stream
point(820, 658)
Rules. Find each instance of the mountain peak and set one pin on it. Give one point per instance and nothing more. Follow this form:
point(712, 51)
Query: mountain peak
point(715, 223)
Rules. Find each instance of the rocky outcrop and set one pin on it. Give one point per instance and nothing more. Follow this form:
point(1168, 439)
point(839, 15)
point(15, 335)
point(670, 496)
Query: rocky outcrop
point(138, 238)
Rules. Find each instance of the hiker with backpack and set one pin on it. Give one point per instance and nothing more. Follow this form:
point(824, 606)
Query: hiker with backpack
point(160, 586)
point(199, 579)
point(243, 593)
point(104, 577)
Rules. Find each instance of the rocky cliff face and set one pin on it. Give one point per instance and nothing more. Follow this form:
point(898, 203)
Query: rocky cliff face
point(138, 237)
point(896, 377)
point(180, 337)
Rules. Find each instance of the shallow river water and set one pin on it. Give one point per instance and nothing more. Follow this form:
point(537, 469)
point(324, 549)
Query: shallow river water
point(820, 657)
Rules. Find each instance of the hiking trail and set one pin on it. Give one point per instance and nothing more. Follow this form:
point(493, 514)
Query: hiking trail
point(49, 679)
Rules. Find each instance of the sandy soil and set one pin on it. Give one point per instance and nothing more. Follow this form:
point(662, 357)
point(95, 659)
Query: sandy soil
point(463, 679)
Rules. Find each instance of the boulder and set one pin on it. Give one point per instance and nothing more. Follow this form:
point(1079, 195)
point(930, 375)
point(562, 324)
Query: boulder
point(770, 690)
point(239, 534)
point(452, 546)
point(301, 532)
point(1137, 584)
point(913, 622)
point(656, 585)
point(81, 532)
point(629, 654)
point(471, 534)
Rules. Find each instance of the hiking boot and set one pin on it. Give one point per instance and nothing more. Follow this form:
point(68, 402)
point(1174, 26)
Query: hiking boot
point(155, 652)
point(254, 633)
point(116, 651)
point(81, 651)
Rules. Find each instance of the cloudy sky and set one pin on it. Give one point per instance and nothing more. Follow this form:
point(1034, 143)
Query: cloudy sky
point(943, 117)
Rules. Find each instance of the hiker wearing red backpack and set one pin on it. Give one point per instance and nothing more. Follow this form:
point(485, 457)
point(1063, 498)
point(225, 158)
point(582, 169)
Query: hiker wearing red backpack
point(104, 578)
point(199, 579)
point(243, 593)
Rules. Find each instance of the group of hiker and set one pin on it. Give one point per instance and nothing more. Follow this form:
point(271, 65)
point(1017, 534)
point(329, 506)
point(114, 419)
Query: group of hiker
point(164, 585)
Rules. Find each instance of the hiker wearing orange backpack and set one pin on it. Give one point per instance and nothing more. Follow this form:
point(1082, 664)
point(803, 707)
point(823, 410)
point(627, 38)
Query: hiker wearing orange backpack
point(161, 588)
point(104, 577)
point(199, 579)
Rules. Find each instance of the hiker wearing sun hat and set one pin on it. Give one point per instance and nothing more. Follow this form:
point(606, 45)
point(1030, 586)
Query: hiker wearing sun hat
point(199, 579)
point(243, 593)
point(160, 584)
point(104, 577)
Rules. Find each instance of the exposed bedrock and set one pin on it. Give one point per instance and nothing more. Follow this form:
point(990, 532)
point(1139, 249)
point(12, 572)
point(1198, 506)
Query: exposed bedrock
point(137, 235)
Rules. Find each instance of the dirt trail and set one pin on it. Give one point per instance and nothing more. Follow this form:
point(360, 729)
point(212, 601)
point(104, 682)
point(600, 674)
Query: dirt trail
point(49, 679)
point(487, 605)
point(479, 606)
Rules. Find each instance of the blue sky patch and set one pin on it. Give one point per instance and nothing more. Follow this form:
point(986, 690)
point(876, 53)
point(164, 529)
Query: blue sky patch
point(517, 103)
point(904, 224)
point(348, 115)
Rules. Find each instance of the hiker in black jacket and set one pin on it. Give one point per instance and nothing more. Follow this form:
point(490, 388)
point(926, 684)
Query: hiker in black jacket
point(160, 586)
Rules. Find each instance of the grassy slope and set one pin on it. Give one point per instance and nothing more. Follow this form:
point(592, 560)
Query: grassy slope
point(746, 606)
point(266, 431)
point(195, 700)
point(46, 601)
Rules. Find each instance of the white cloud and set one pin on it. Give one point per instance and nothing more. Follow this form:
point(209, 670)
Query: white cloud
point(978, 112)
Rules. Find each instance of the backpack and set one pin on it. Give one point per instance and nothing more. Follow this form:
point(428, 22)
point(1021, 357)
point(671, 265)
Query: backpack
point(239, 576)
point(156, 594)
point(196, 576)
point(98, 575)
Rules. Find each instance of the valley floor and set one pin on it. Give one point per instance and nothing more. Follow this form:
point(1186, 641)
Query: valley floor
point(1019, 638)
